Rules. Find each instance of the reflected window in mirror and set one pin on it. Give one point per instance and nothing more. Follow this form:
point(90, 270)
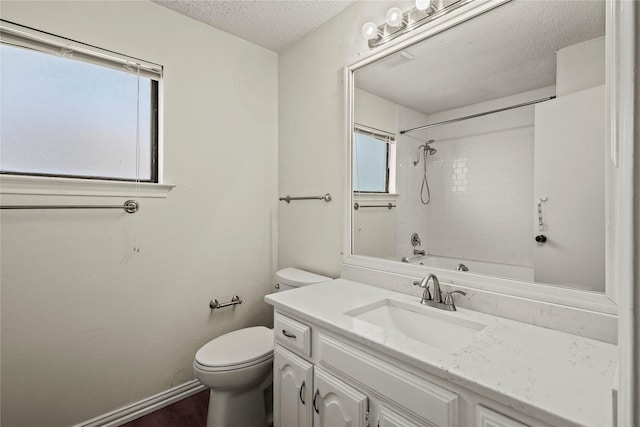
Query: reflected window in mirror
point(371, 167)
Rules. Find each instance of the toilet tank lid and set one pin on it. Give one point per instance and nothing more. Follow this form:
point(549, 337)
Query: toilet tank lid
point(295, 277)
point(237, 347)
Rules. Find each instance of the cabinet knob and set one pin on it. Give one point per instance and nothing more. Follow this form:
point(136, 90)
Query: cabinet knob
point(315, 400)
point(541, 238)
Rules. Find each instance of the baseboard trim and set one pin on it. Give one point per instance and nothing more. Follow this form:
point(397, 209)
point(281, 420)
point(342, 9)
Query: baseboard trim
point(145, 406)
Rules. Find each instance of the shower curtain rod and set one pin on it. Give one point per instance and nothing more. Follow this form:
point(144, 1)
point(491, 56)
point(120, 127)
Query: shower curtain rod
point(473, 116)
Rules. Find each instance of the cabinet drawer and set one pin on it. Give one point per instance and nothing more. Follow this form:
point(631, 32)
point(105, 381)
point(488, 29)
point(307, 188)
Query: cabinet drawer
point(292, 334)
point(436, 405)
point(486, 417)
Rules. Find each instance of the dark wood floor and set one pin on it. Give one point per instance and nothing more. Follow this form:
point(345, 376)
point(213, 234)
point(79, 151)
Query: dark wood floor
point(189, 412)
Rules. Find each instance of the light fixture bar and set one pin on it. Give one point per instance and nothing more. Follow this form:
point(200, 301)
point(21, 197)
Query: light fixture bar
point(413, 19)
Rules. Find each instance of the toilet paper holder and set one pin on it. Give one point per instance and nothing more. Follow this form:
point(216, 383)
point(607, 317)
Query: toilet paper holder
point(214, 303)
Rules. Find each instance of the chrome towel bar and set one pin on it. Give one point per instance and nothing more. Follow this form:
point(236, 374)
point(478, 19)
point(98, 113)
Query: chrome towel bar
point(326, 198)
point(130, 206)
point(357, 206)
point(213, 304)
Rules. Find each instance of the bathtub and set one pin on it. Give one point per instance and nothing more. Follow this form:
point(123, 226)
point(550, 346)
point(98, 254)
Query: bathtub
point(515, 272)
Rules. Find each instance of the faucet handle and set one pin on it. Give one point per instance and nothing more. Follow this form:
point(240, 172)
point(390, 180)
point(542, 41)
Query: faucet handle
point(448, 297)
point(426, 295)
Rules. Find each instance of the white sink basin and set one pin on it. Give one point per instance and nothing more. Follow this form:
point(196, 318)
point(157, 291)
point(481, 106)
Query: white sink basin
point(394, 321)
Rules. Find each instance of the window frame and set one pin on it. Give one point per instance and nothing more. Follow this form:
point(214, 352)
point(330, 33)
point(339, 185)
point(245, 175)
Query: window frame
point(384, 138)
point(16, 35)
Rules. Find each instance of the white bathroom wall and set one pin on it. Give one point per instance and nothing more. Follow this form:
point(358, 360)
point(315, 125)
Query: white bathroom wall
point(580, 66)
point(374, 229)
point(311, 145)
point(374, 112)
point(88, 324)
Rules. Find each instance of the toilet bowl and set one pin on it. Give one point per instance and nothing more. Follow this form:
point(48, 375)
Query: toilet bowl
point(234, 367)
point(237, 367)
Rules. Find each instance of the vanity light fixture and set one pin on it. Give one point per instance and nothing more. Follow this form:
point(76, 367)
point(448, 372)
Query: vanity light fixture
point(399, 23)
point(423, 4)
point(395, 17)
point(369, 31)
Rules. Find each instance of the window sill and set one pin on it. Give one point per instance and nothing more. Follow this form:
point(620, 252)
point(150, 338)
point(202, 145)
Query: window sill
point(49, 186)
point(374, 196)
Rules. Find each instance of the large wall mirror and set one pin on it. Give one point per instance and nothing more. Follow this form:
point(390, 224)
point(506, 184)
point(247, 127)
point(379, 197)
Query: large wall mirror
point(482, 148)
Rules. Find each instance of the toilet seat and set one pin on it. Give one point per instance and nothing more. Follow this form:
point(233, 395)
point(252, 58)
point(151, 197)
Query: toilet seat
point(236, 350)
point(206, 368)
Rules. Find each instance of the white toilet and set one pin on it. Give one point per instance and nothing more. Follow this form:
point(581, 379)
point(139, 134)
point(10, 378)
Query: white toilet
point(238, 366)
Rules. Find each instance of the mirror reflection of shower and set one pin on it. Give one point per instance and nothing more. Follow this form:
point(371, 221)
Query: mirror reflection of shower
point(427, 150)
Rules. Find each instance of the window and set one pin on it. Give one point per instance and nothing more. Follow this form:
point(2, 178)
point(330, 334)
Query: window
point(373, 158)
point(72, 110)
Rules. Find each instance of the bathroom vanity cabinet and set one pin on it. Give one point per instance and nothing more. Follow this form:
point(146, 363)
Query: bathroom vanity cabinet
point(342, 384)
point(331, 371)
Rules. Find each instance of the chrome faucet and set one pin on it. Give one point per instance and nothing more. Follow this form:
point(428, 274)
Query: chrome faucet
point(418, 252)
point(424, 283)
point(436, 300)
point(436, 294)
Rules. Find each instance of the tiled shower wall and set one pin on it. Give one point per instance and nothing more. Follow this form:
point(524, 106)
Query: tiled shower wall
point(481, 182)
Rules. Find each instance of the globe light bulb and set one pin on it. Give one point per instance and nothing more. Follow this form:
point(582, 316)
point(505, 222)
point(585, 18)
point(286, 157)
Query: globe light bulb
point(394, 17)
point(423, 4)
point(369, 30)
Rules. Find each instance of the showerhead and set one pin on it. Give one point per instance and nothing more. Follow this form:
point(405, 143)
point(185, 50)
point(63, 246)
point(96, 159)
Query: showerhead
point(429, 148)
point(426, 149)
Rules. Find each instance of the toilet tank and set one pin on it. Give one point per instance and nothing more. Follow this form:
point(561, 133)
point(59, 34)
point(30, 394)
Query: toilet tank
point(291, 278)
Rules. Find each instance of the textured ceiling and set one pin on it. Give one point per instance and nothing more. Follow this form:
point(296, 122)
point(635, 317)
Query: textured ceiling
point(273, 24)
point(508, 50)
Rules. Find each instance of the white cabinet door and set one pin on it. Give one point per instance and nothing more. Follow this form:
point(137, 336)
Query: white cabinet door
point(487, 418)
point(292, 388)
point(337, 404)
point(391, 418)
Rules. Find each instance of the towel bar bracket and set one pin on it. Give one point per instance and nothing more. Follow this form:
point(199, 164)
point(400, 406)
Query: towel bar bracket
point(288, 199)
point(214, 303)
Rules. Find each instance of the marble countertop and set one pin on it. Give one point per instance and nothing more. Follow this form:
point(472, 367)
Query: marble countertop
point(552, 376)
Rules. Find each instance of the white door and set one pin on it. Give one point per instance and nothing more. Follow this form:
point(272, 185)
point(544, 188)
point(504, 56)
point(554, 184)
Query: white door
point(337, 404)
point(569, 173)
point(292, 390)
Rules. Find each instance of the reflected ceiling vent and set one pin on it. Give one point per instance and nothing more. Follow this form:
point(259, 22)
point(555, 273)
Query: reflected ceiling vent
point(397, 58)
